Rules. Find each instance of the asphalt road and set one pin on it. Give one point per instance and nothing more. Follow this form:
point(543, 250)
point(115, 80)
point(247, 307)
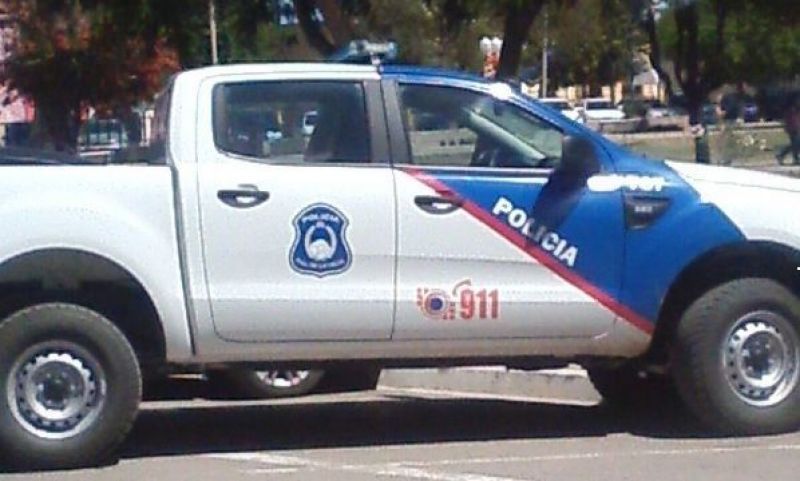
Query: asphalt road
point(408, 434)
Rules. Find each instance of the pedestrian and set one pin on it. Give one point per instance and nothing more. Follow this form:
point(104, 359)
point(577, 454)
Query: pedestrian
point(791, 123)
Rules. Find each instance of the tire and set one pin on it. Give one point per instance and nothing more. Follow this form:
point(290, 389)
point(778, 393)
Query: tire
point(264, 384)
point(81, 373)
point(721, 358)
point(625, 387)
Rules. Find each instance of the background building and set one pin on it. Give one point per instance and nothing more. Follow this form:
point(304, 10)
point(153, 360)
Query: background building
point(16, 112)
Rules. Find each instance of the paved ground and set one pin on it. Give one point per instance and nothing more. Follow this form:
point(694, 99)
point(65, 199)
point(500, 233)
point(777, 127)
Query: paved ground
point(419, 434)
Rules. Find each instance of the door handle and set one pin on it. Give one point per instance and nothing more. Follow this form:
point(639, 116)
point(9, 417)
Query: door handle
point(243, 197)
point(434, 204)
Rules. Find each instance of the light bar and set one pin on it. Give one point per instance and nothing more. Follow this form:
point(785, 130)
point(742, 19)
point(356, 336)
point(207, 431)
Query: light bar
point(366, 52)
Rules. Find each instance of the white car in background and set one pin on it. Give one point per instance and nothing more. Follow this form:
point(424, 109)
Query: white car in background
point(310, 122)
point(563, 106)
point(601, 110)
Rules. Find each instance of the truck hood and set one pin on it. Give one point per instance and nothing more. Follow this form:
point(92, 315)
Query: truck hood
point(734, 176)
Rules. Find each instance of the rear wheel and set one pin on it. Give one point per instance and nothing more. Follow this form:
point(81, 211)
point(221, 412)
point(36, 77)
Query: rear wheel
point(736, 357)
point(71, 387)
point(265, 384)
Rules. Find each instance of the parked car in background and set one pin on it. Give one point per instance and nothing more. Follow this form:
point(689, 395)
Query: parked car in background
point(750, 111)
point(634, 107)
point(309, 122)
point(102, 135)
point(663, 117)
point(563, 106)
point(709, 114)
point(655, 109)
point(272, 127)
point(600, 109)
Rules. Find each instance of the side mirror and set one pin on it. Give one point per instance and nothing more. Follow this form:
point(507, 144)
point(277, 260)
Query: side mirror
point(579, 158)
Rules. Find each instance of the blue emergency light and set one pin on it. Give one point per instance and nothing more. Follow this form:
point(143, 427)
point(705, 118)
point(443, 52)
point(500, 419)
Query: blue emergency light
point(366, 52)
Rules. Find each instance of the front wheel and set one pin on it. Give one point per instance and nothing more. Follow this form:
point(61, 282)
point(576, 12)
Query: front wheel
point(736, 358)
point(71, 387)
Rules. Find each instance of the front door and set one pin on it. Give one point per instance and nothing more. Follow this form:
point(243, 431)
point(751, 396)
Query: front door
point(298, 216)
point(492, 243)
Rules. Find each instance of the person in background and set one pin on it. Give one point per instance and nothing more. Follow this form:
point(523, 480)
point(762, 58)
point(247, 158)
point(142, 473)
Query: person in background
point(791, 123)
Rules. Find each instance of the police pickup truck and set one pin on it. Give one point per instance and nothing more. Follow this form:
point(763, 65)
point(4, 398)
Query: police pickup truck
point(426, 218)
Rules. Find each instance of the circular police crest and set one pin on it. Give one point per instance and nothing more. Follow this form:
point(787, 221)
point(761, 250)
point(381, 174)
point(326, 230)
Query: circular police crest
point(320, 245)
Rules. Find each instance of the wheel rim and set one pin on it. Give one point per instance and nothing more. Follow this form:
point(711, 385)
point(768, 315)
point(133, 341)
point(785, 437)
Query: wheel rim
point(283, 379)
point(56, 390)
point(761, 358)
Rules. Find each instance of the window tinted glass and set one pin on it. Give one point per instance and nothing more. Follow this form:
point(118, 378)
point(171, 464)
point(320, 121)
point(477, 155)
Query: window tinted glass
point(454, 127)
point(557, 105)
point(265, 121)
point(599, 105)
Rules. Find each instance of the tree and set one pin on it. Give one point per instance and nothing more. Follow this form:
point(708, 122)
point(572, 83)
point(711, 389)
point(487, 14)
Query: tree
point(590, 43)
point(716, 42)
point(427, 30)
point(72, 55)
point(646, 13)
point(519, 16)
point(337, 26)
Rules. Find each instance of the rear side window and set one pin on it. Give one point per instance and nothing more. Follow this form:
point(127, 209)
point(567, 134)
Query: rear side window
point(292, 122)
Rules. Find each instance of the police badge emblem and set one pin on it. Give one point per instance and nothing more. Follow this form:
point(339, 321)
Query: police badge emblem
point(320, 245)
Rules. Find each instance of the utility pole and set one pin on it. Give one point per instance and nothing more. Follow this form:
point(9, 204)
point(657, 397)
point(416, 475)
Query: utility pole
point(545, 59)
point(212, 27)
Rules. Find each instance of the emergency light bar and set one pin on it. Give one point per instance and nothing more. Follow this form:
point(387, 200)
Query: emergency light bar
point(366, 52)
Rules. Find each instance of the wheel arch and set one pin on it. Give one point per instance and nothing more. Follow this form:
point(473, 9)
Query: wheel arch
point(761, 259)
point(91, 280)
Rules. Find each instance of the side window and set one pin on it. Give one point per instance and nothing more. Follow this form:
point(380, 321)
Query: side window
point(292, 122)
point(454, 127)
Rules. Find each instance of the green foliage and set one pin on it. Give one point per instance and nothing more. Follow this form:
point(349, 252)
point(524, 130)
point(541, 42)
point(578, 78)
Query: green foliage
point(74, 54)
point(749, 41)
point(590, 41)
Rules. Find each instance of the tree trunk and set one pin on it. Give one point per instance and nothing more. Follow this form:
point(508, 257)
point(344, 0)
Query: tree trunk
point(655, 51)
point(687, 61)
point(313, 30)
point(55, 127)
point(336, 22)
point(518, 21)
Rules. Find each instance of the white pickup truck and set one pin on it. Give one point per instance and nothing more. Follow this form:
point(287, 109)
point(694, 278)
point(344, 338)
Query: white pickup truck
point(429, 219)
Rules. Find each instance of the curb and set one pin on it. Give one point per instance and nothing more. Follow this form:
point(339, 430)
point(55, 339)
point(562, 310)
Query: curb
point(569, 384)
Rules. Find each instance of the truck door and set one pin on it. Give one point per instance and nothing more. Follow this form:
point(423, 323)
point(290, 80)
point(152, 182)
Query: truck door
point(491, 245)
point(298, 219)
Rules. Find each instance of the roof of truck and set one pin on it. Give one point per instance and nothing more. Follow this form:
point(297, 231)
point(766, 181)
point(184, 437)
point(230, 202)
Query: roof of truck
point(287, 67)
point(334, 68)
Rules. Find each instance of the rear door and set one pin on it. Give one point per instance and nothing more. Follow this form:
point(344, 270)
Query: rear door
point(298, 218)
point(492, 243)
